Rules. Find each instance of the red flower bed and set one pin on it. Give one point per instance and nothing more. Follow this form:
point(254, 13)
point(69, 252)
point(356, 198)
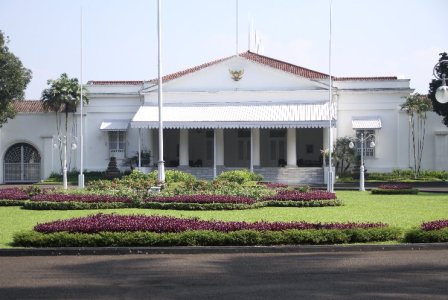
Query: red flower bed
point(286, 195)
point(435, 225)
point(13, 194)
point(119, 223)
point(79, 198)
point(203, 199)
point(395, 186)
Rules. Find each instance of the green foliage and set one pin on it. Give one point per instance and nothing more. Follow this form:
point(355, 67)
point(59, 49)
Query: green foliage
point(145, 159)
point(394, 192)
point(12, 202)
point(239, 176)
point(417, 235)
point(303, 189)
point(439, 108)
point(71, 205)
point(310, 203)
point(206, 238)
point(64, 94)
point(14, 78)
point(343, 155)
point(200, 206)
point(398, 175)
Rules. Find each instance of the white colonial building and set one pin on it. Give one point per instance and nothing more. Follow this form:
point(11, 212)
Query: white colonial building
point(246, 111)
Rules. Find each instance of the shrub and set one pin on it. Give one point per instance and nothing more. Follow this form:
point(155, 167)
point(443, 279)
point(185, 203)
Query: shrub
point(200, 206)
point(206, 238)
point(120, 223)
point(239, 176)
point(287, 195)
point(273, 185)
point(394, 192)
point(13, 194)
point(73, 205)
point(418, 235)
point(174, 176)
point(79, 198)
point(202, 199)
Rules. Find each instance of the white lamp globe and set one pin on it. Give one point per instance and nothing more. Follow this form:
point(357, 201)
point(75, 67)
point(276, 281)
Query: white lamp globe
point(351, 145)
point(442, 94)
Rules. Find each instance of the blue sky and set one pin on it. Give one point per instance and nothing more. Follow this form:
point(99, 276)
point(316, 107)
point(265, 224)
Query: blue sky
point(370, 37)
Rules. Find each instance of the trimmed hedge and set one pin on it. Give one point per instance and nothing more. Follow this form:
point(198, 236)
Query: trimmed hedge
point(12, 202)
point(72, 205)
point(199, 206)
point(394, 192)
point(418, 235)
point(206, 238)
point(307, 203)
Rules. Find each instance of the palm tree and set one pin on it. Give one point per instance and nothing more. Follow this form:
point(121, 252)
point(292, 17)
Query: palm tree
point(63, 96)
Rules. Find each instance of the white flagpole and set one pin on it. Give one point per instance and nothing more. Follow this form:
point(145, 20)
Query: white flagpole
point(81, 140)
point(236, 28)
point(161, 164)
point(330, 186)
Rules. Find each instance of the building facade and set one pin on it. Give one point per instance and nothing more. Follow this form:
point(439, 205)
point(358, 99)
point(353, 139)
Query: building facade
point(246, 111)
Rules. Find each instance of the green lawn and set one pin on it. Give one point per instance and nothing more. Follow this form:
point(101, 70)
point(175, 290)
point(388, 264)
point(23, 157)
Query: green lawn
point(404, 211)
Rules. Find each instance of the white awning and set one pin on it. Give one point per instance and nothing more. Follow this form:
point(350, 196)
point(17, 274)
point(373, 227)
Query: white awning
point(114, 125)
point(366, 123)
point(235, 116)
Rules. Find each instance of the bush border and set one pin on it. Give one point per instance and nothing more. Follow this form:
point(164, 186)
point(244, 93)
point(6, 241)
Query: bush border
point(206, 238)
point(308, 203)
point(418, 235)
point(8, 202)
point(394, 192)
point(74, 205)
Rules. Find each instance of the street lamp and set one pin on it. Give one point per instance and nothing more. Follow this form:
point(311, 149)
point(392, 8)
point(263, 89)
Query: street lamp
point(442, 91)
point(362, 141)
point(62, 142)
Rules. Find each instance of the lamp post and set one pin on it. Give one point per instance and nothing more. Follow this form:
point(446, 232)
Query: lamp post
point(362, 140)
point(62, 142)
point(442, 91)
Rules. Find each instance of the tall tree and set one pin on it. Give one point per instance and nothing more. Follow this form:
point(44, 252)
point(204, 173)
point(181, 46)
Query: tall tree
point(439, 108)
point(343, 155)
point(62, 97)
point(417, 106)
point(14, 78)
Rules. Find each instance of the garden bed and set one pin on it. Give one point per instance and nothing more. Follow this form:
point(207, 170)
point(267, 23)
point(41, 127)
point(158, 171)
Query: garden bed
point(13, 197)
point(429, 232)
point(77, 201)
point(139, 230)
point(395, 189)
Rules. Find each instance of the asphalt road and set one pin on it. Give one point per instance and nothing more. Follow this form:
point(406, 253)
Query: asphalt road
point(410, 274)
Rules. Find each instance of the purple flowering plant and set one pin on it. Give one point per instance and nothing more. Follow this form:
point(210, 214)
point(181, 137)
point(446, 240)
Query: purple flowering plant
point(200, 198)
point(398, 186)
point(288, 195)
point(434, 225)
point(79, 198)
point(13, 194)
point(164, 224)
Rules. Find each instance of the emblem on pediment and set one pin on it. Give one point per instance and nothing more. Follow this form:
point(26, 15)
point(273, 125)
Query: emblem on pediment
point(236, 74)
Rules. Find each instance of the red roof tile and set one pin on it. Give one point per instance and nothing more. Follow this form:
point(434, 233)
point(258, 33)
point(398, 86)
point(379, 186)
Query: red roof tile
point(29, 106)
point(118, 82)
point(271, 62)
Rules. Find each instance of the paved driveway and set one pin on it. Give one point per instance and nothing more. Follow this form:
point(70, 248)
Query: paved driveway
point(409, 274)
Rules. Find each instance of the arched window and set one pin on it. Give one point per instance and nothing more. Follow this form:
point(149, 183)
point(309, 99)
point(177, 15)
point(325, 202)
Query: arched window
point(21, 164)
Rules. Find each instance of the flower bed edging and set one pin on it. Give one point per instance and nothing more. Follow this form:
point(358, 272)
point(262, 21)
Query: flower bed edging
point(206, 238)
point(309, 203)
point(5, 202)
point(199, 206)
point(140, 230)
point(428, 232)
point(73, 205)
point(395, 189)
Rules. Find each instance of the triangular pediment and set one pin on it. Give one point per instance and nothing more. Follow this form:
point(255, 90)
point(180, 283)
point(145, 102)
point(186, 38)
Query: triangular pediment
point(245, 72)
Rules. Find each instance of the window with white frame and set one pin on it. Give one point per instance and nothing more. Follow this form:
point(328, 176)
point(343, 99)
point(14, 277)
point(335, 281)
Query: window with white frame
point(117, 141)
point(369, 136)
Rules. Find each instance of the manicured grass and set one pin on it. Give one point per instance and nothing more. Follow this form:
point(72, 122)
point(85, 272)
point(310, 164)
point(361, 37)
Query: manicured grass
point(404, 211)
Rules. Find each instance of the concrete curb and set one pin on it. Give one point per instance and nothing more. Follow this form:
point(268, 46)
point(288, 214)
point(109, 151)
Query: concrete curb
point(69, 251)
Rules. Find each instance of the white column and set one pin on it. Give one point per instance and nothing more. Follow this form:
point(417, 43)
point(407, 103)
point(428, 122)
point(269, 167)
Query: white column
point(291, 153)
point(139, 147)
point(151, 146)
point(219, 147)
point(255, 133)
point(183, 147)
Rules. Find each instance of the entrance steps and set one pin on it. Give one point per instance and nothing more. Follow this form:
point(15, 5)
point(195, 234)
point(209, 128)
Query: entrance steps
point(288, 175)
